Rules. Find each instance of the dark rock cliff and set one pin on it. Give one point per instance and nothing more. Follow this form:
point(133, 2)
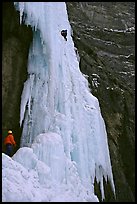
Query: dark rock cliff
point(16, 40)
point(104, 35)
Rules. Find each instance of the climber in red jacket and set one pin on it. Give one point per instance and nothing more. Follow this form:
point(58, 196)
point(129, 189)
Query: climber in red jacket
point(9, 142)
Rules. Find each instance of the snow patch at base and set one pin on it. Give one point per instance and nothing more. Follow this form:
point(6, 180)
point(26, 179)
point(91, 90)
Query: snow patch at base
point(32, 175)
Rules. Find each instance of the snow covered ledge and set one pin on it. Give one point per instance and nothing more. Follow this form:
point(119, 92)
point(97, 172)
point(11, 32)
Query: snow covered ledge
point(42, 173)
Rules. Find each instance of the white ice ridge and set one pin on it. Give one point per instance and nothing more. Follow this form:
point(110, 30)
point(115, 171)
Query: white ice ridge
point(56, 97)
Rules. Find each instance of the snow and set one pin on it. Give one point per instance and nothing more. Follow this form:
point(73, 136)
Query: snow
point(64, 140)
point(39, 177)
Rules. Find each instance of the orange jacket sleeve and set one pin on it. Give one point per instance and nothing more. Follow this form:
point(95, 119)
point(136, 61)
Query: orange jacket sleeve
point(12, 140)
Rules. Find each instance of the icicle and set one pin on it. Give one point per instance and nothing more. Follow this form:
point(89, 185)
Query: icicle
point(20, 7)
point(26, 97)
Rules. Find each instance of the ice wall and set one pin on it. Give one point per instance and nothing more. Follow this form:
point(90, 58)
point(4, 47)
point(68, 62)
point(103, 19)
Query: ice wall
point(56, 97)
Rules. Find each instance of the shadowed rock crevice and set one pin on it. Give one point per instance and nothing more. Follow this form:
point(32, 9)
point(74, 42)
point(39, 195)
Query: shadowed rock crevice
point(16, 40)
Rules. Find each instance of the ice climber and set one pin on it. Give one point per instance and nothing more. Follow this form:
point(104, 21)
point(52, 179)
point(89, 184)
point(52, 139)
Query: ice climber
point(64, 34)
point(9, 142)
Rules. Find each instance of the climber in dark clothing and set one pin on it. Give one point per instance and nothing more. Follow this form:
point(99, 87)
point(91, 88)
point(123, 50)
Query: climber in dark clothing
point(64, 34)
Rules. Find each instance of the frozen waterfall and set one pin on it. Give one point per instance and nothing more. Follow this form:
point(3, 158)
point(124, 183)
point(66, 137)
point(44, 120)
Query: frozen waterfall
point(56, 99)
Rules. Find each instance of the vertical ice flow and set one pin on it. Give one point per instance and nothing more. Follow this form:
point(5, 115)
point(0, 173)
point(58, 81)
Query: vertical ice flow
point(56, 97)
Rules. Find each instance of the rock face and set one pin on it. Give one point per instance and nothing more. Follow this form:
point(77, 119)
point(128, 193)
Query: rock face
point(16, 40)
point(104, 34)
